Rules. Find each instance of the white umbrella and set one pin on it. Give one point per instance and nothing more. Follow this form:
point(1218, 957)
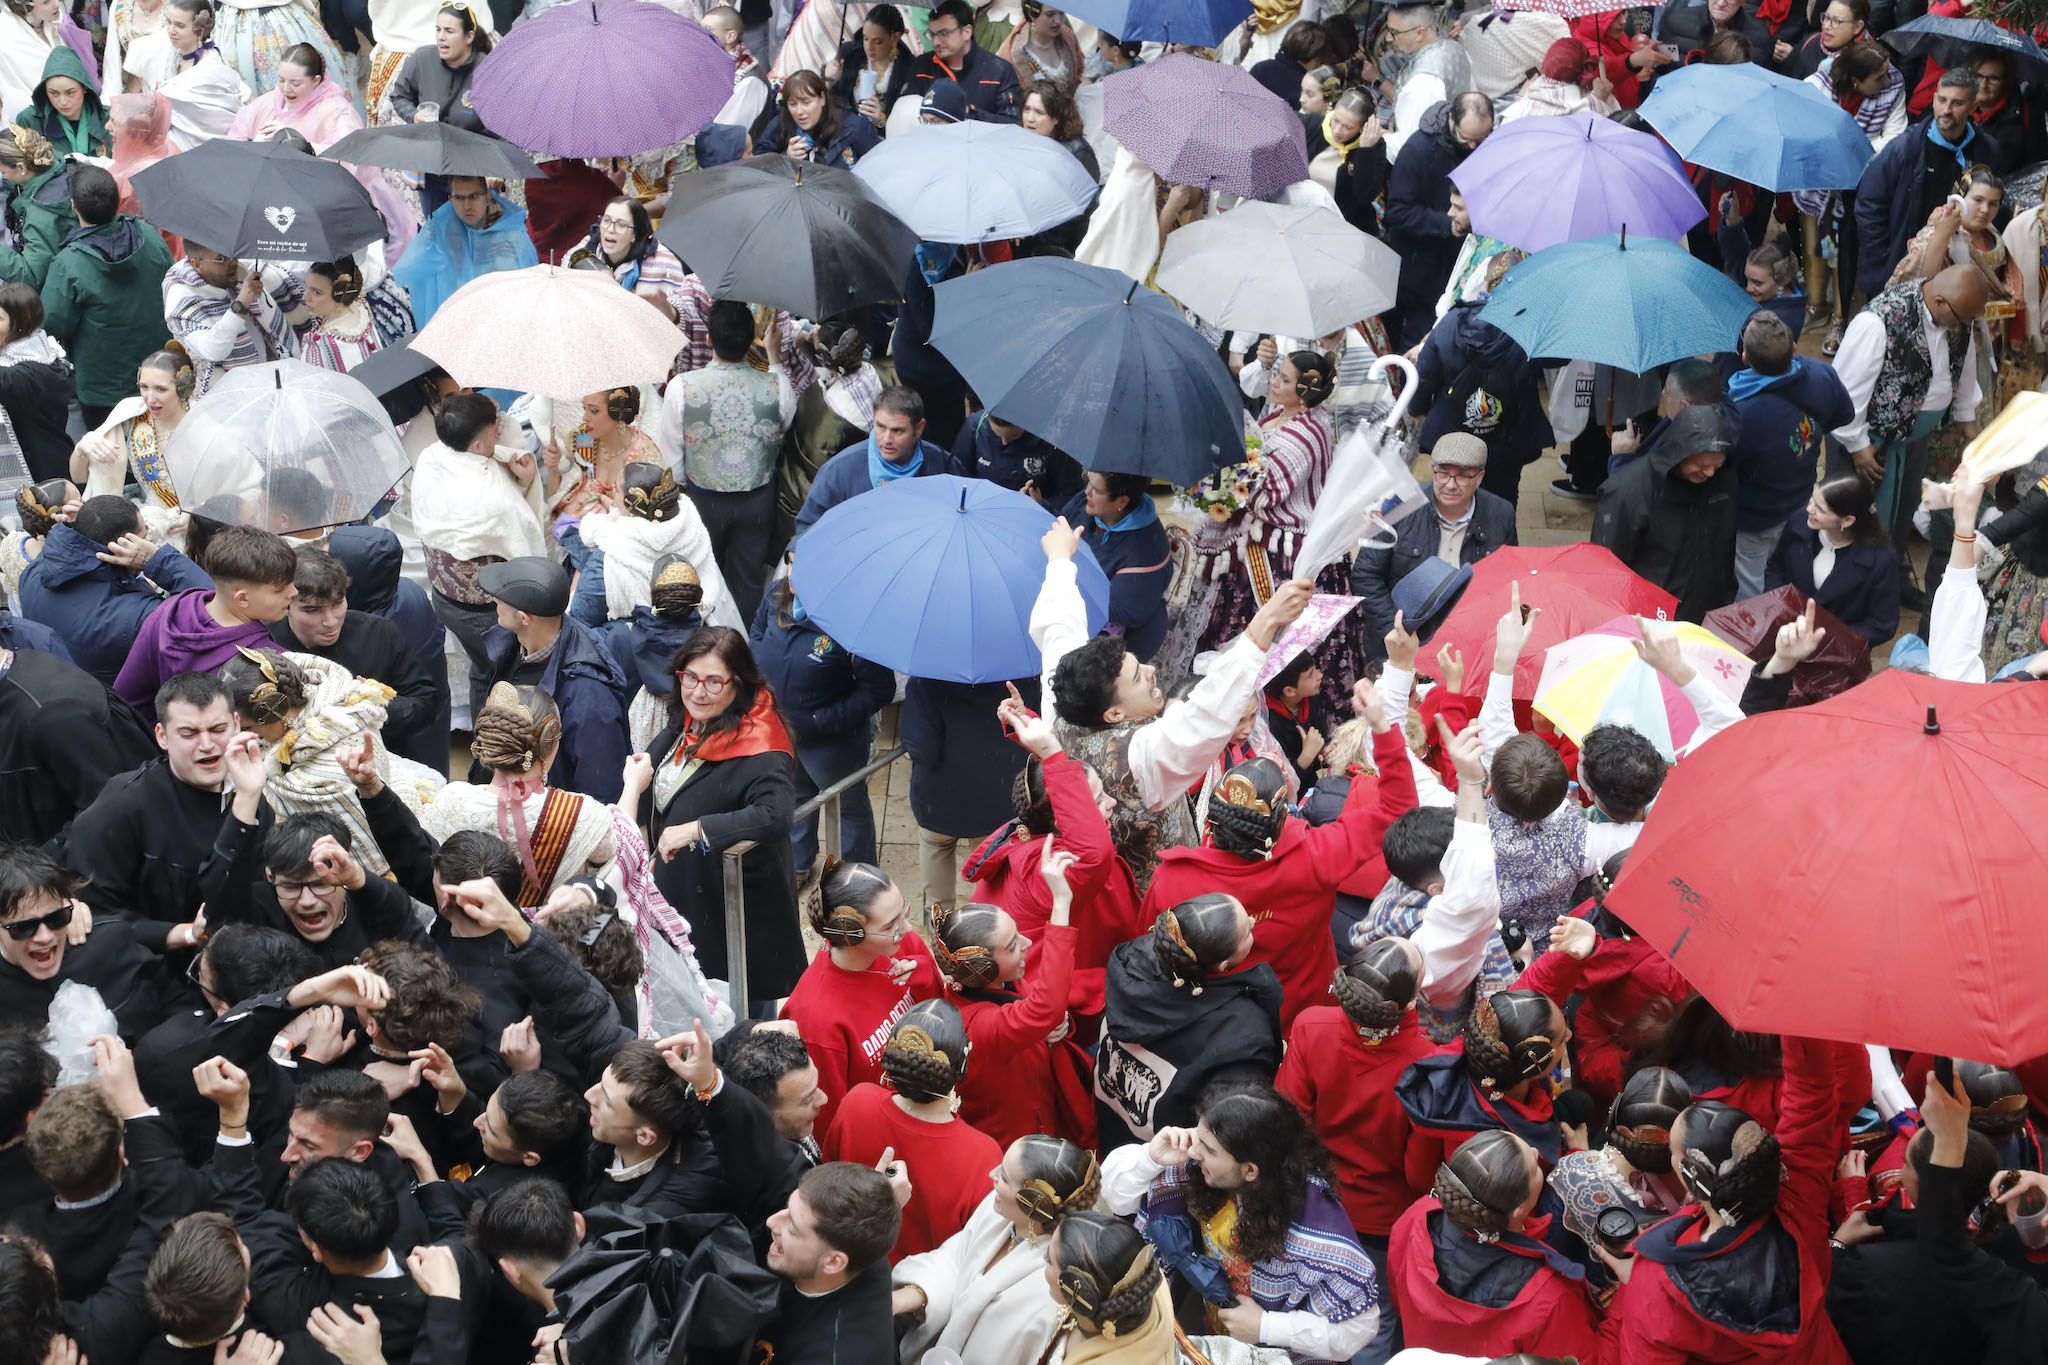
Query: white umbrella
point(549, 330)
point(1369, 487)
point(285, 446)
point(976, 182)
point(1286, 270)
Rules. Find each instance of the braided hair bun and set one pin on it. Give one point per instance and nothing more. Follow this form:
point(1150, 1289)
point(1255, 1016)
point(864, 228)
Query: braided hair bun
point(1315, 376)
point(264, 687)
point(1196, 938)
point(1106, 1272)
point(1644, 1114)
point(962, 940)
point(1728, 1161)
point(838, 908)
point(517, 731)
point(650, 492)
point(1029, 800)
point(1248, 809)
point(1998, 1101)
point(1057, 1178)
point(1378, 985)
point(1507, 1039)
point(926, 1054)
point(1485, 1183)
point(675, 590)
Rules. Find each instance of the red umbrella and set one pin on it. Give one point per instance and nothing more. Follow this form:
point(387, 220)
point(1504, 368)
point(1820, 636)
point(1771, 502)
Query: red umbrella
point(1580, 587)
point(1867, 869)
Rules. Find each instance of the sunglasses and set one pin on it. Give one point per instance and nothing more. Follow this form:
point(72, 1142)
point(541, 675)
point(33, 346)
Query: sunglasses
point(58, 920)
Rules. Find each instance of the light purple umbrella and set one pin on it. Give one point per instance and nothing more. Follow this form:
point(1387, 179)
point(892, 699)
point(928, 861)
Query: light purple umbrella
point(1540, 181)
point(602, 78)
point(1207, 125)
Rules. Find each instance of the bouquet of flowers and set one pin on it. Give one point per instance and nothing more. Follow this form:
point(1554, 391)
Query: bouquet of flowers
point(1223, 493)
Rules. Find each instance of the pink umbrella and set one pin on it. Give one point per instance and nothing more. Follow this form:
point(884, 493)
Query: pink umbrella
point(1563, 9)
point(602, 78)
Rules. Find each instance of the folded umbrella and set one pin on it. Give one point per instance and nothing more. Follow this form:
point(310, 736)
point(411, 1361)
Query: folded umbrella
point(1207, 125)
point(1598, 679)
point(1198, 23)
point(976, 182)
point(1579, 587)
point(1292, 270)
point(935, 577)
point(1094, 363)
point(602, 78)
point(285, 446)
point(1956, 41)
point(259, 199)
point(1758, 126)
point(433, 149)
point(1633, 304)
point(549, 330)
point(770, 230)
point(680, 1289)
point(1540, 181)
point(1907, 916)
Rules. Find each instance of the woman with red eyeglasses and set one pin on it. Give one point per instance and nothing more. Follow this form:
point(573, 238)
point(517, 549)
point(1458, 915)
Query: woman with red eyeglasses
point(722, 773)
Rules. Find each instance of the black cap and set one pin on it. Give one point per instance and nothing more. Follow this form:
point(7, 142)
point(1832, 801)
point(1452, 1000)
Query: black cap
point(536, 586)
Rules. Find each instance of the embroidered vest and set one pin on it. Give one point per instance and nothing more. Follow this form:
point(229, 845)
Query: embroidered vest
point(1907, 370)
point(1141, 835)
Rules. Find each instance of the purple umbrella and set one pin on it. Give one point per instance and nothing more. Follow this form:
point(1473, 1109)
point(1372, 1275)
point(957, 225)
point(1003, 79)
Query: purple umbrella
point(1540, 181)
point(1207, 125)
point(602, 78)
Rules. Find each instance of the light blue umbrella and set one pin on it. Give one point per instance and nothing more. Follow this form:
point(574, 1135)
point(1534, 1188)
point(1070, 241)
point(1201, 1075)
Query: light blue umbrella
point(976, 182)
point(1758, 126)
point(1633, 304)
point(935, 577)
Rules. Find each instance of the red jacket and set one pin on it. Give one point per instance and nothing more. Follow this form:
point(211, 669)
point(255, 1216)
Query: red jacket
point(1292, 893)
point(1344, 1087)
point(1652, 1320)
point(1623, 982)
point(1552, 1316)
point(1394, 788)
point(844, 1017)
point(1005, 872)
point(1604, 40)
point(950, 1163)
point(1016, 1082)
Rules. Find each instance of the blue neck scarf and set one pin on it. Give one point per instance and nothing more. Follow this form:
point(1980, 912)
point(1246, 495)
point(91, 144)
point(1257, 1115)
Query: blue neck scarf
point(1969, 135)
point(1142, 513)
point(882, 470)
point(1743, 383)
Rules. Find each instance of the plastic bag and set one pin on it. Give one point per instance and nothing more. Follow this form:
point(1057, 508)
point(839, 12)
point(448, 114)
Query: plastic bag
point(1842, 661)
point(674, 999)
point(77, 1016)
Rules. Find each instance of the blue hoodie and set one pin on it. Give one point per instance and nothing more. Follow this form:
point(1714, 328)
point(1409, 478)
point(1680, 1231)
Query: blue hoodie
point(1500, 400)
point(1778, 436)
point(97, 608)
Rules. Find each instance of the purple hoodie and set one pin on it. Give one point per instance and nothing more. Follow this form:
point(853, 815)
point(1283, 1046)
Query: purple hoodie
point(179, 637)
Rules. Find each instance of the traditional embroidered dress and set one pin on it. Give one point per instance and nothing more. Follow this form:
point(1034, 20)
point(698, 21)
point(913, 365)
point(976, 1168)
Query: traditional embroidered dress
point(343, 342)
point(254, 36)
point(128, 446)
point(558, 834)
point(1590, 1182)
point(127, 21)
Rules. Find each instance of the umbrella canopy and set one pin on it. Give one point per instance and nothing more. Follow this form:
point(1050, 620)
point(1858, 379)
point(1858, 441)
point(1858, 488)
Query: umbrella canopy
point(390, 374)
point(976, 182)
point(285, 446)
point(665, 1291)
point(1579, 587)
point(1198, 23)
point(1793, 911)
point(602, 78)
point(1563, 9)
point(1959, 42)
point(548, 330)
point(1598, 679)
point(935, 577)
point(1758, 126)
point(1296, 270)
point(1752, 625)
point(770, 230)
point(1095, 363)
point(433, 149)
point(259, 199)
point(1634, 304)
point(1206, 124)
point(1541, 181)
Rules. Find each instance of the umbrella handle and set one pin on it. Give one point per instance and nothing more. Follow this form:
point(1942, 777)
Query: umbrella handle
point(1379, 371)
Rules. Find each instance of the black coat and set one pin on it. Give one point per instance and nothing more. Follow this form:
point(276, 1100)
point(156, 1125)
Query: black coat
point(1678, 534)
point(1862, 589)
point(2023, 532)
point(37, 399)
point(1360, 176)
point(1418, 220)
point(112, 1324)
point(85, 1242)
point(378, 910)
point(1687, 27)
point(961, 765)
point(159, 849)
point(165, 1057)
point(1376, 570)
point(826, 694)
point(849, 1326)
point(63, 736)
point(121, 959)
point(853, 59)
point(372, 647)
point(375, 561)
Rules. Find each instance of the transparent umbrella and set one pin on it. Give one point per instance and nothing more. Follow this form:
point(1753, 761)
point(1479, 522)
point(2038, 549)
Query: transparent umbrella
point(287, 447)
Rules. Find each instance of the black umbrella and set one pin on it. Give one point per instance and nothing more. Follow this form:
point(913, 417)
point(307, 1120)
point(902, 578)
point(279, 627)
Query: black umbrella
point(658, 1295)
point(393, 374)
point(434, 149)
point(260, 199)
point(770, 230)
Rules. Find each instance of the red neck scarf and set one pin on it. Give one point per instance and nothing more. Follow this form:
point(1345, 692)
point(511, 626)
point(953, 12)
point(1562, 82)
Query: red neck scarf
point(759, 731)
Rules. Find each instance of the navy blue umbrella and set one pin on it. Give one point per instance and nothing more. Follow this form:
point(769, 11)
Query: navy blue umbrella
point(1959, 42)
point(1094, 363)
point(1201, 23)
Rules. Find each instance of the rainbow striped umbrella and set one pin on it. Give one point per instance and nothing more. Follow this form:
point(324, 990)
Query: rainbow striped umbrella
point(1598, 679)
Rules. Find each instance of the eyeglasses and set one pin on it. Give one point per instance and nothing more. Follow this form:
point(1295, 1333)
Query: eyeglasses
point(58, 920)
point(622, 224)
point(942, 33)
point(476, 197)
point(1457, 473)
point(692, 682)
point(291, 891)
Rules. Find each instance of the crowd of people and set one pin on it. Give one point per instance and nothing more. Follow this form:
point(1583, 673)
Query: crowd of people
point(367, 985)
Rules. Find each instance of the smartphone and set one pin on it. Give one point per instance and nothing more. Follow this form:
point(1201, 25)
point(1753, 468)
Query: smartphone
point(1945, 1072)
point(1668, 50)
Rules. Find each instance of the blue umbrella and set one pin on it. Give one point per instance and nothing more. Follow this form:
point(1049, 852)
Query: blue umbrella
point(1758, 126)
point(1091, 361)
point(1200, 23)
point(1632, 305)
point(1956, 42)
point(935, 577)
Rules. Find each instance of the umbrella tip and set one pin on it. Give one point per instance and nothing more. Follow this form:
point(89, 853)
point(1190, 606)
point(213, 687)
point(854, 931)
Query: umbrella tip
point(1624, 236)
point(1130, 293)
point(1933, 726)
point(963, 507)
point(278, 375)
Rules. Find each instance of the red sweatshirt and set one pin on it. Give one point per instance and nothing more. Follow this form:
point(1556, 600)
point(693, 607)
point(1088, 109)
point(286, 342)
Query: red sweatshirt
point(951, 1163)
point(1005, 872)
point(1552, 1316)
point(1016, 1082)
point(844, 1017)
point(1291, 894)
point(1344, 1087)
point(1621, 980)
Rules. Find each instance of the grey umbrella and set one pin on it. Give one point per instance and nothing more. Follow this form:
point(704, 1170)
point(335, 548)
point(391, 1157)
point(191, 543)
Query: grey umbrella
point(434, 149)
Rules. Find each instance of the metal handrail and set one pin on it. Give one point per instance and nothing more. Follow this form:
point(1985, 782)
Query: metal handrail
point(826, 806)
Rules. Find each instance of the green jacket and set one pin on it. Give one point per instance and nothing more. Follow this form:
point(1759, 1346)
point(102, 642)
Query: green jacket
point(103, 302)
point(40, 213)
point(42, 116)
